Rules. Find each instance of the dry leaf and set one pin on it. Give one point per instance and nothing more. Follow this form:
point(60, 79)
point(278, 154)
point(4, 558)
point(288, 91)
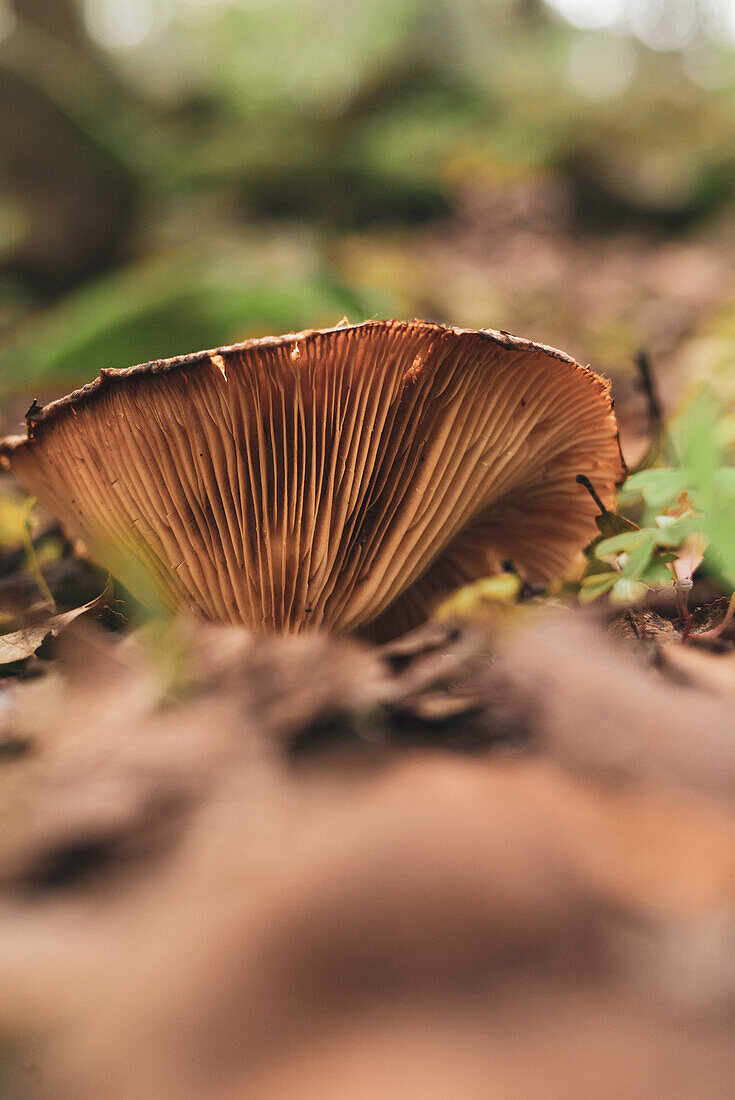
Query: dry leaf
point(19, 645)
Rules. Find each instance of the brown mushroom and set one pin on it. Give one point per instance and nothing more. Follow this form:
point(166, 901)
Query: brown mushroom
point(330, 478)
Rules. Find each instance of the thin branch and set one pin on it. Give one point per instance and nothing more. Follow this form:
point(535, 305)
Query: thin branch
point(648, 385)
point(582, 479)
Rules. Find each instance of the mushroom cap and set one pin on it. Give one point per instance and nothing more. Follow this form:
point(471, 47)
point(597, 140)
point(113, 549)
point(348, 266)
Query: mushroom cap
point(329, 478)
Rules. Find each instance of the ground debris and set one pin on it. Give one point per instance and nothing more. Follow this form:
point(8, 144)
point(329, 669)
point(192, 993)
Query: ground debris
point(262, 865)
point(18, 645)
point(643, 624)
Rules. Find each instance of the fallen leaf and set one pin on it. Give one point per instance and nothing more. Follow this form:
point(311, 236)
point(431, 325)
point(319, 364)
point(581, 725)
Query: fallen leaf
point(19, 645)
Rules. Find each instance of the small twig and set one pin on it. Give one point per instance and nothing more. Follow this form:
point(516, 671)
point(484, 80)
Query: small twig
point(647, 383)
point(582, 479)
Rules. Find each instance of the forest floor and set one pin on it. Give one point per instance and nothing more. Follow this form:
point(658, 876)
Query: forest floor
point(305, 867)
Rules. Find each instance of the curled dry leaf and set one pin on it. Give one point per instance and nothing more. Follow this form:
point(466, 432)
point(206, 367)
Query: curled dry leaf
point(19, 645)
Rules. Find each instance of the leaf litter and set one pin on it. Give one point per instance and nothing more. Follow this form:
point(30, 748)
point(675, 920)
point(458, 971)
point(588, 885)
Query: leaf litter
point(285, 869)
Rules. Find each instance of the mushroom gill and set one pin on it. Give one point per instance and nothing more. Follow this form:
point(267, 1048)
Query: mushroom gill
point(329, 478)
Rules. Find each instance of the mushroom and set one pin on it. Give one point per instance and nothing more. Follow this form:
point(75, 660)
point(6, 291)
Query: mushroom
point(333, 478)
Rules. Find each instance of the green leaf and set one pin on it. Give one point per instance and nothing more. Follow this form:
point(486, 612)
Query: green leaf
point(596, 585)
point(724, 483)
point(693, 437)
point(658, 573)
point(636, 561)
point(627, 543)
point(627, 591)
point(659, 488)
point(673, 534)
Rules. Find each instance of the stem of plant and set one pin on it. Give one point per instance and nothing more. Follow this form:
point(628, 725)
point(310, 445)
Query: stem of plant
point(32, 563)
point(583, 480)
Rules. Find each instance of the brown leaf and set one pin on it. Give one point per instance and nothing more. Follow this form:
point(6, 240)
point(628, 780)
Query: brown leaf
point(19, 645)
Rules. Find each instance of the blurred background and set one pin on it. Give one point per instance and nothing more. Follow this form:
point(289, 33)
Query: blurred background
point(178, 174)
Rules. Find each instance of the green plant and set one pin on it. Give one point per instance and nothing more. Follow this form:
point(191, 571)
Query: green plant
point(685, 510)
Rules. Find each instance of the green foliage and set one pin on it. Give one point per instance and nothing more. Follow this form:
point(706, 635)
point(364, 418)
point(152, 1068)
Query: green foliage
point(688, 512)
point(637, 559)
